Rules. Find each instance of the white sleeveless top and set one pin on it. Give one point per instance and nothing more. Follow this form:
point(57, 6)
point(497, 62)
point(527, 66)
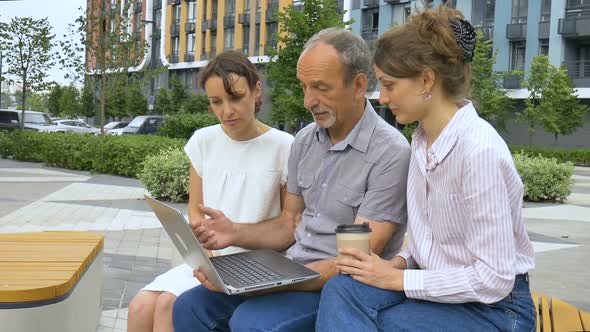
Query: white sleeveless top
point(241, 178)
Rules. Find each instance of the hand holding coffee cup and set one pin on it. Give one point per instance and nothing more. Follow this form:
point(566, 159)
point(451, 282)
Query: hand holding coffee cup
point(353, 236)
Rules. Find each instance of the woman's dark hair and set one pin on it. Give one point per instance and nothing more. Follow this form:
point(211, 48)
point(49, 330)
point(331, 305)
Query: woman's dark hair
point(432, 40)
point(227, 63)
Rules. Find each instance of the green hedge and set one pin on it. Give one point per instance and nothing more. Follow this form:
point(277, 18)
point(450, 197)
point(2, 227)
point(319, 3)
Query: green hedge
point(545, 179)
point(166, 175)
point(580, 157)
point(118, 155)
point(184, 125)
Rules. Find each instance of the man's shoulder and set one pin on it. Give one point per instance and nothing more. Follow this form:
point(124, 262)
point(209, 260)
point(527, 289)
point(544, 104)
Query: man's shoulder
point(389, 137)
point(306, 134)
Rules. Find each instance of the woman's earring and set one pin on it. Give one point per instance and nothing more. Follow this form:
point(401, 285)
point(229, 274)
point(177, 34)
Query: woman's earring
point(425, 96)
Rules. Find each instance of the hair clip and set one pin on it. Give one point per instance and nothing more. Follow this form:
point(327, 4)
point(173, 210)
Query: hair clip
point(465, 37)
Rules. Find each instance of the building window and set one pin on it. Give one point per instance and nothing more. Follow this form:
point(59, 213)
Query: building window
point(214, 9)
point(517, 55)
point(213, 43)
point(190, 43)
point(246, 6)
point(158, 18)
point(545, 10)
point(230, 7)
point(176, 14)
point(407, 13)
point(228, 38)
point(544, 46)
point(370, 23)
point(203, 50)
point(192, 11)
point(271, 33)
point(519, 11)
point(246, 41)
point(257, 40)
point(483, 12)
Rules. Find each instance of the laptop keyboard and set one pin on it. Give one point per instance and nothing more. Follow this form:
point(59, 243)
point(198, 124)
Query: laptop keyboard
point(244, 269)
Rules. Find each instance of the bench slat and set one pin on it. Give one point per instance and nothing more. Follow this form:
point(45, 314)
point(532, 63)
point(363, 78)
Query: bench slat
point(565, 316)
point(585, 318)
point(545, 314)
point(535, 297)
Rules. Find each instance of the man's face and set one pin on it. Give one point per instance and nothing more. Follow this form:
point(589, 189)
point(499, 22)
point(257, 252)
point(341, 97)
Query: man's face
point(322, 79)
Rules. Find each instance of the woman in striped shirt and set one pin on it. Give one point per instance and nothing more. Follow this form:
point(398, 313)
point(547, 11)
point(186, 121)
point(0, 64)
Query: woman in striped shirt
point(466, 262)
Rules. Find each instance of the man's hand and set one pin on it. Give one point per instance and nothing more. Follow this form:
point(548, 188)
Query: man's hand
point(205, 282)
point(371, 270)
point(217, 232)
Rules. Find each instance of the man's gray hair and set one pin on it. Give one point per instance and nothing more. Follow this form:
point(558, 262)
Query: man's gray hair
point(353, 52)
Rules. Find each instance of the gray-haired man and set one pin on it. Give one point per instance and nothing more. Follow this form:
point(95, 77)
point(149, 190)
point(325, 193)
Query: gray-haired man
point(348, 167)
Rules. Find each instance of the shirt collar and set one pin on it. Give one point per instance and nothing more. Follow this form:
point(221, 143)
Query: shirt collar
point(448, 137)
point(359, 136)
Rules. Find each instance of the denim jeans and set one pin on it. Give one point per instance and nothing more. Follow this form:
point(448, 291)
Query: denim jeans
point(199, 309)
point(348, 305)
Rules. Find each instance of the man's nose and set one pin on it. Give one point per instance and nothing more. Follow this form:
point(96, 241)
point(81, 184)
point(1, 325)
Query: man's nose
point(309, 100)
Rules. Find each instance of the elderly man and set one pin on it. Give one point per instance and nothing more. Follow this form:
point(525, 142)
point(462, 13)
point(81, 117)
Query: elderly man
point(349, 166)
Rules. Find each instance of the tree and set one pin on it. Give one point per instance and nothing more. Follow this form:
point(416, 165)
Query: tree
point(136, 101)
point(6, 100)
point(562, 113)
point(536, 82)
point(163, 103)
point(69, 102)
point(27, 48)
point(38, 103)
point(487, 94)
point(112, 48)
point(53, 99)
point(87, 102)
point(295, 28)
point(196, 104)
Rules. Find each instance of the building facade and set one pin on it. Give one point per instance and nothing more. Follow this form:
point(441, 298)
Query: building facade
point(183, 34)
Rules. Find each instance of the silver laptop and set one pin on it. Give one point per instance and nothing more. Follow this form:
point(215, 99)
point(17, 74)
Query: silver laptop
point(235, 273)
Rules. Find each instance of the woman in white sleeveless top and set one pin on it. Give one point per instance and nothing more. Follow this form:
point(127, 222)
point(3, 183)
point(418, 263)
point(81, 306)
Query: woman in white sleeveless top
point(238, 167)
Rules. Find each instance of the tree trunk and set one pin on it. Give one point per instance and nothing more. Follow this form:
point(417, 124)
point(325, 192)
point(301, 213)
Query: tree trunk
point(22, 105)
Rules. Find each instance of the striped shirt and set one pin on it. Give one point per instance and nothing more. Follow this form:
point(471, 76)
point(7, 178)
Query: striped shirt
point(466, 237)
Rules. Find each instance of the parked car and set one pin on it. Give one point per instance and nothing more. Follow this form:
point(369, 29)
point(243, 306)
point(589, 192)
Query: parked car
point(115, 127)
point(37, 121)
point(144, 124)
point(74, 126)
point(9, 121)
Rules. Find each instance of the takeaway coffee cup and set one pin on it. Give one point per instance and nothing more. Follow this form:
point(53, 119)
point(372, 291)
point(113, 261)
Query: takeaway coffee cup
point(353, 236)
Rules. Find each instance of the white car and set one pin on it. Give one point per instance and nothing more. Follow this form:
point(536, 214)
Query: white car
point(115, 127)
point(74, 126)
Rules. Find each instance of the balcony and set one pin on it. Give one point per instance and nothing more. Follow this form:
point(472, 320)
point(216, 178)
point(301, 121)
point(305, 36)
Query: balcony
point(173, 2)
point(174, 30)
point(204, 55)
point(212, 24)
point(516, 31)
point(396, 2)
point(189, 27)
point(157, 4)
point(137, 6)
point(189, 57)
point(574, 27)
point(369, 34)
point(544, 29)
point(174, 58)
point(371, 3)
point(579, 72)
point(204, 25)
point(229, 21)
point(244, 19)
point(512, 81)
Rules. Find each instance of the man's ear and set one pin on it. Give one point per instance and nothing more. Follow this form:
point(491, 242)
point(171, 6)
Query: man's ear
point(360, 83)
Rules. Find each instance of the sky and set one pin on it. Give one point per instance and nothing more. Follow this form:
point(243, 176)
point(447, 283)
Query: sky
point(59, 13)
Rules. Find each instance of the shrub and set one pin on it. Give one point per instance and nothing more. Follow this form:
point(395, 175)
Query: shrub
point(118, 155)
point(545, 179)
point(184, 125)
point(166, 175)
point(580, 157)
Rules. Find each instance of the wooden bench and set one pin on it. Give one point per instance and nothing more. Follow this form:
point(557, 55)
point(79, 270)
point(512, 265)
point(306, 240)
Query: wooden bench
point(50, 281)
point(555, 315)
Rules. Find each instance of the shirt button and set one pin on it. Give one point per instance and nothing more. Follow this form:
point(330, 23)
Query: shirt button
point(300, 182)
point(318, 215)
point(324, 185)
point(308, 234)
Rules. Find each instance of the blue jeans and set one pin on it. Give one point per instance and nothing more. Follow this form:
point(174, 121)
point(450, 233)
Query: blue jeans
point(199, 309)
point(348, 305)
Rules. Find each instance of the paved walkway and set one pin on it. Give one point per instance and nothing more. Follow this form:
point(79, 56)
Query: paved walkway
point(37, 198)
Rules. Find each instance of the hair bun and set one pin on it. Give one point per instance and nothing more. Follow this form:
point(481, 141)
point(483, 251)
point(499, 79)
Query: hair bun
point(465, 37)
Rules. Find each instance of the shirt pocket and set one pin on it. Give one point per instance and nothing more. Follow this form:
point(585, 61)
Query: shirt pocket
point(347, 203)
